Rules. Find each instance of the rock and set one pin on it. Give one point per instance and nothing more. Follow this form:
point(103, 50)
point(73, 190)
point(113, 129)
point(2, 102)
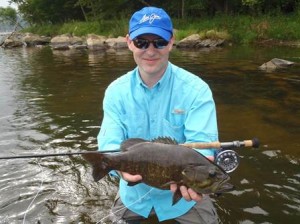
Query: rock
point(12, 40)
point(11, 43)
point(116, 43)
point(34, 39)
point(276, 63)
point(195, 41)
point(189, 42)
point(64, 41)
point(78, 46)
point(96, 42)
point(281, 62)
point(60, 47)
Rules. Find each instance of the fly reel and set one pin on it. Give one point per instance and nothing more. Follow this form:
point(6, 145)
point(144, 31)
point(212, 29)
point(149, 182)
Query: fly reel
point(228, 160)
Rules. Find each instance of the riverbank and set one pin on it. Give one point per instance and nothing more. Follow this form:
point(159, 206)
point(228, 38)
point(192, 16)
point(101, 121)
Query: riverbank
point(234, 29)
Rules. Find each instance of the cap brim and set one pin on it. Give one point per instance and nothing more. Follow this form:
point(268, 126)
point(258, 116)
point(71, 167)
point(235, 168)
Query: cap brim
point(151, 30)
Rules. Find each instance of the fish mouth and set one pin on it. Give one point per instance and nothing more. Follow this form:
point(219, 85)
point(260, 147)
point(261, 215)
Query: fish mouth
point(224, 186)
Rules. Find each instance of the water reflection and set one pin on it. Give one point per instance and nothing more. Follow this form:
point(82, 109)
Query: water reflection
point(51, 102)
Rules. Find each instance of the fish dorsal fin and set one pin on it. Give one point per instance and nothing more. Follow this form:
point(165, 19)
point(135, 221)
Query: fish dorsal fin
point(130, 142)
point(165, 140)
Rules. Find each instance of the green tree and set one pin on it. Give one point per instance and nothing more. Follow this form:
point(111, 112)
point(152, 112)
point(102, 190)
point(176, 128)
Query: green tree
point(49, 11)
point(103, 9)
point(59, 11)
point(8, 15)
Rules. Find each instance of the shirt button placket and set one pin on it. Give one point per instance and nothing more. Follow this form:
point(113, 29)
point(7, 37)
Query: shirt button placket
point(153, 114)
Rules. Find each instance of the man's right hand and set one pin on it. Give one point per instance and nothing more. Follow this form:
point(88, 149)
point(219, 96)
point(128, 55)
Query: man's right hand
point(187, 193)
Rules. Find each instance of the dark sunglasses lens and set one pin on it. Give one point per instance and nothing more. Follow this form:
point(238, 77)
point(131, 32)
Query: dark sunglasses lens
point(144, 44)
point(160, 43)
point(141, 43)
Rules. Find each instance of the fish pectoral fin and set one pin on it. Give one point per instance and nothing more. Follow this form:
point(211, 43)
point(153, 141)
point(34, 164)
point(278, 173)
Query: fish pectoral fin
point(167, 185)
point(176, 196)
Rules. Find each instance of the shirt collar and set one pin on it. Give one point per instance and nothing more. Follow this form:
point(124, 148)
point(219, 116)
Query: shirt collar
point(161, 83)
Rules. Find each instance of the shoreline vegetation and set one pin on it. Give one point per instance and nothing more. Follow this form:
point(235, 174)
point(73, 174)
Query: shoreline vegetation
point(267, 30)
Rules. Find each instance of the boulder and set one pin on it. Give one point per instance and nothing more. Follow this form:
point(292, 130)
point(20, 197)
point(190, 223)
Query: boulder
point(189, 42)
point(96, 42)
point(12, 40)
point(11, 43)
point(116, 43)
point(64, 41)
point(276, 63)
point(195, 41)
point(34, 39)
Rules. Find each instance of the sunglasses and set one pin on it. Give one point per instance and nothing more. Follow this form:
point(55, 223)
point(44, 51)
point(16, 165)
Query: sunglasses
point(144, 44)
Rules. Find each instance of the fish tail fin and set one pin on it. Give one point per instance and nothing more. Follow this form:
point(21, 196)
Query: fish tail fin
point(99, 164)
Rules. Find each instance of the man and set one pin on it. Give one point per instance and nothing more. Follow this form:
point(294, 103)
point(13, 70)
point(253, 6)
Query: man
point(157, 99)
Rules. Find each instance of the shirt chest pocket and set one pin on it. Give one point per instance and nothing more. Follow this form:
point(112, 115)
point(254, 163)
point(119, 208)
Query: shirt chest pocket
point(173, 126)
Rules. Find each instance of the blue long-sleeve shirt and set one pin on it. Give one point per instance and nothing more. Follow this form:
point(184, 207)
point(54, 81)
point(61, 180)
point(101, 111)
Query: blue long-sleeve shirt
point(180, 106)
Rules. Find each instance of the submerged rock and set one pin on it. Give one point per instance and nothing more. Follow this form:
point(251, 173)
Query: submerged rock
point(276, 63)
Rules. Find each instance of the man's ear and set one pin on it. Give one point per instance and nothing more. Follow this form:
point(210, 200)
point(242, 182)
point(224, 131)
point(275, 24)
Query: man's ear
point(171, 43)
point(129, 42)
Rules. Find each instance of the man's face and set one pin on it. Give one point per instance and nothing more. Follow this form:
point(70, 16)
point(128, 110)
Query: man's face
point(151, 61)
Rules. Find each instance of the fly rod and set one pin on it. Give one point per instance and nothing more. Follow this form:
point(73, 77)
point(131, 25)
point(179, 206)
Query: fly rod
point(54, 154)
point(223, 145)
point(199, 145)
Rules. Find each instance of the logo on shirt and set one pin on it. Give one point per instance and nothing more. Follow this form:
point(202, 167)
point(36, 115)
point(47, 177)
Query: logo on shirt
point(178, 111)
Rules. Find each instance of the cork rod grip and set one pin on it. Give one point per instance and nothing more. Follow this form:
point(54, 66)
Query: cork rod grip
point(203, 145)
point(218, 145)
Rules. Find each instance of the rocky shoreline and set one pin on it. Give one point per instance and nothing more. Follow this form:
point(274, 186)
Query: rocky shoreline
point(95, 42)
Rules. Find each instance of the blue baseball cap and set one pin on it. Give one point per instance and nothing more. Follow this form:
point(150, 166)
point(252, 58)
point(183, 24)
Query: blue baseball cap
point(151, 20)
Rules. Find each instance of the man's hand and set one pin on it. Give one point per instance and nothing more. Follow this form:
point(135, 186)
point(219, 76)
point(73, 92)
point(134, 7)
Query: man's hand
point(187, 193)
point(130, 178)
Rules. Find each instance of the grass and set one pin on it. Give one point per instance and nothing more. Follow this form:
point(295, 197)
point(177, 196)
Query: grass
point(238, 29)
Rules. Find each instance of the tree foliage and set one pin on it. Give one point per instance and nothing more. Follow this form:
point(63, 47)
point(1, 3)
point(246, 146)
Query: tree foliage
point(49, 11)
point(59, 11)
point(8, 15)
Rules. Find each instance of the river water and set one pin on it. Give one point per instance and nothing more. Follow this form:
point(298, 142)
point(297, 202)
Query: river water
point(51, 102)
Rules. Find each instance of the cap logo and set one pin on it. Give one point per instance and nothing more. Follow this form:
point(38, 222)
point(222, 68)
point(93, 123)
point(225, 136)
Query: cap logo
point(149, 18)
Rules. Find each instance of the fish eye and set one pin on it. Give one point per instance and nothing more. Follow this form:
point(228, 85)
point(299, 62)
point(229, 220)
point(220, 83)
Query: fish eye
point(212, 173)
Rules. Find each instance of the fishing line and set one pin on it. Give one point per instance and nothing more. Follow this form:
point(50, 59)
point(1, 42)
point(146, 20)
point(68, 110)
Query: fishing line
point(124, 207)
point(5, 117)
point(38, 192)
